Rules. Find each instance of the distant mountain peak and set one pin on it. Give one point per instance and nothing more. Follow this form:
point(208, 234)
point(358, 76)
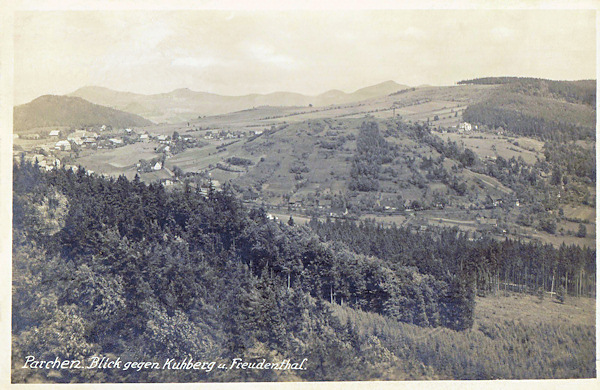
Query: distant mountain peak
point(333, 92)
point(185, 104)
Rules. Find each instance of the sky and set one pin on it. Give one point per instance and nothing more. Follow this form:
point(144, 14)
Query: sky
point(236, 52)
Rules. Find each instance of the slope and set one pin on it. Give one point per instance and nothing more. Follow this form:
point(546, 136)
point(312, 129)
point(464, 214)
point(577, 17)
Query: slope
point(544, 109)
point(50, 110)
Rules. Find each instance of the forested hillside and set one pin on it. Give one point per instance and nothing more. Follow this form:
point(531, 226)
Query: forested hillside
point(581, 91)
point(112, 267)
point(544, 109)
point(491, 264)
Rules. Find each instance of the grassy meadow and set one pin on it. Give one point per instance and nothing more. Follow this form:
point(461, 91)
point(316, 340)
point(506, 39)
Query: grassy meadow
point(515, 336)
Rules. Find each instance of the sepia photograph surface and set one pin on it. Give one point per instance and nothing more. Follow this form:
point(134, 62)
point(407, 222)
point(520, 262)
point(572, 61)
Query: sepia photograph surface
point(301, 194)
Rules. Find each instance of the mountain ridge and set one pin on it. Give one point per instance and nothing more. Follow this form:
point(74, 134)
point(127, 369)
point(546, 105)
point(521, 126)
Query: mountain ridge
point(183, 104)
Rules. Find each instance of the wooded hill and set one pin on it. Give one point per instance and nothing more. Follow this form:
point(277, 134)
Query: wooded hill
point(50, 110)
point(544, 109)
point(118, 268)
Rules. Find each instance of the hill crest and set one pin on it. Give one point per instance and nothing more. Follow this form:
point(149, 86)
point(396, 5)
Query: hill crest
point(54, 110)
point(184, 104)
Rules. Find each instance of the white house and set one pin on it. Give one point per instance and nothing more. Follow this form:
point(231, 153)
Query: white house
point(63, 145)
point(465, 126)
point(157, 166)
point(54, 133)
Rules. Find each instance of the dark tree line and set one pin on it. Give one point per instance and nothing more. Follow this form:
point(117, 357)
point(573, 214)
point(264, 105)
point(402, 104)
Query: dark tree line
point(489, 113)
point(542, 109)
point(487, 263)
point(582, 91)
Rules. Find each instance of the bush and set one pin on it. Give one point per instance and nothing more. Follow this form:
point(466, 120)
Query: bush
point(582, 231)
point(560, 294)
point(540, 294)
point(548, 225)
point(243, 162)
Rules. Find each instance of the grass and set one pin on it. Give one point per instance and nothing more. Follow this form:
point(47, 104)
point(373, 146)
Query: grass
point(485, 144)
point(580, 212)
point(529, 310)
point(118, 160)
point(514, 337)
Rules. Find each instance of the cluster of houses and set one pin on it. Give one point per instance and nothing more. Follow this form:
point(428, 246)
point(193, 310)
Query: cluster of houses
point(90, 138)
point(221, 135)
point(44, 162)
point(81, 138)
point(86, 138)
point(463, 127)
point(50, 162)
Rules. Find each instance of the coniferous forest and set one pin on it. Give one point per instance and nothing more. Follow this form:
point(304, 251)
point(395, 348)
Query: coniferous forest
point(117, 268)
point(537, 108)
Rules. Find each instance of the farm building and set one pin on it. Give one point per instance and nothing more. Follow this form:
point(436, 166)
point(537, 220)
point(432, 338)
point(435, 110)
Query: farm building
point(81, 136)
point(75, 140)
point(54, 133)
point(464, 126)
point(63, 145)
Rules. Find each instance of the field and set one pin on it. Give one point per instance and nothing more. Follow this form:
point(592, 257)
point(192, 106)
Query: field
point(195, 159)
point(529, 310)
point(117, 161)
point(487, 145)
point(515, 336)
point(325, 172)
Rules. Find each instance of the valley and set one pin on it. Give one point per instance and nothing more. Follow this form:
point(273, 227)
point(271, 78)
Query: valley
point(310, 193)
point(297, 161)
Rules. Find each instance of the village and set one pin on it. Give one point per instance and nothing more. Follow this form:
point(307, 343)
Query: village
point(58, 147)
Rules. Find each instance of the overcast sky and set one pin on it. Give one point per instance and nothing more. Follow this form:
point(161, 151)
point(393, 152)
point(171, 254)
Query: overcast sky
point(310, 52)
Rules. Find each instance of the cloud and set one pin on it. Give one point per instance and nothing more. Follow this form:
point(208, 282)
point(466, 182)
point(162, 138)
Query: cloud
point(269, 55)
